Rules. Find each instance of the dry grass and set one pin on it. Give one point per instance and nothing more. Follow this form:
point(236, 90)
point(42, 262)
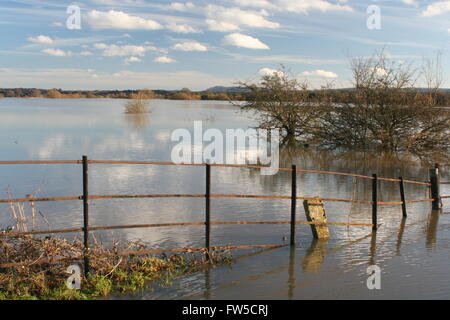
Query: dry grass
point(109, 271)
point(140, 104)
point(34, 267)
point(25, 215)
point(137, 106)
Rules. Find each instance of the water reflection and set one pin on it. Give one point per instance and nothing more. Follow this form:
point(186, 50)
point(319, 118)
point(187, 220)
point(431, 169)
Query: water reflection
point(373, 249)
point(400, 235)
point(364, 162)
point(432, 228)
point(51, 130)
point(207, 294)
point(138, 121)
point(315, 255)
point(291, 272)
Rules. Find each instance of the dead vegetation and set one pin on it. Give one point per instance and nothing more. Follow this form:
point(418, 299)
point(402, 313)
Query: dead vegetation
point(35, 267)
point(138, 105)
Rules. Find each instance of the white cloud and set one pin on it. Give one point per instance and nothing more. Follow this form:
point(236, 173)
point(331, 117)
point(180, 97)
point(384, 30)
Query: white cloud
point(127, 50)
point(72, 42)
point(320, 73)
point(244, 41)
point(120, 2)
point(189, 46)
point(410, 2)
point(230, 19)
point(119, 20)
point(297, 6)
point(57, 52)
point(381, 72)
point(101, 45)
point(164, 59)
point(221, 26)
point(131, 60)
point(270, 72)
point(304, 6)
point(86, 53)
point(436, 8)
point(182, 28)
point(113, 50)
point(285, 59)
point(79, 79)
point(178, 6)
point(255, 3)
point(41, 39)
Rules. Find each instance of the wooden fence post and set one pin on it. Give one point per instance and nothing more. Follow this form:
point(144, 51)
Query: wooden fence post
point(402, 197)
point(375, 202)
point(86, 214)
point(315, 213)
point(293, 203)
point(435, 187)
point(207, 209)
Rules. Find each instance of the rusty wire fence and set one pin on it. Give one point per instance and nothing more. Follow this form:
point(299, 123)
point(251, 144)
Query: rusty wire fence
point(433, 185)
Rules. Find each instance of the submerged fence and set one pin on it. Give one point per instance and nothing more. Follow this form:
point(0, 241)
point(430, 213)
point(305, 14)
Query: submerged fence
point(433, 185)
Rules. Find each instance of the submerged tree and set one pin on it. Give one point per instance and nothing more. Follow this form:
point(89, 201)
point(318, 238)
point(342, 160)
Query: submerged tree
point(280, 101)
point(383, 111)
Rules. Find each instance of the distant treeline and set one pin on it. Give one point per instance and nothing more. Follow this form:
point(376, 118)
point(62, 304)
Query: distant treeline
point(441, 97)
point(337, 95)
point(183, 94)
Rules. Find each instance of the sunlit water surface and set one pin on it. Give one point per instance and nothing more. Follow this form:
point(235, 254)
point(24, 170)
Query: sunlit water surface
point(413, 254)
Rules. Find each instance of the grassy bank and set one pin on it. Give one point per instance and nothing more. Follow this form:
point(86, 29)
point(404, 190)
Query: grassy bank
point(110, 272)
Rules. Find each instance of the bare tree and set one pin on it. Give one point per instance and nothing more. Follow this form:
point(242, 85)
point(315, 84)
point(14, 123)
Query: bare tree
point(384, 111)
point(432, 73)
point(279, 101)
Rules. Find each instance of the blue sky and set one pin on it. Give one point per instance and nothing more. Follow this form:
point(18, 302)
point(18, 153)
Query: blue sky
point(135, 44)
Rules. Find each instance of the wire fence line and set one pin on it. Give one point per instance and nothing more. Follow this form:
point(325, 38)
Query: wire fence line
point(86, 228)
point(162, 163)
point(244, 196)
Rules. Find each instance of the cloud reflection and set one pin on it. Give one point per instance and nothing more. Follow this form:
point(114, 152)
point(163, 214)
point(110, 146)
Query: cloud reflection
point(138, 121)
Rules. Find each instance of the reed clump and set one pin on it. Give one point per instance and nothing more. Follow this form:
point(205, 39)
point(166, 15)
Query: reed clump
point(138, 105)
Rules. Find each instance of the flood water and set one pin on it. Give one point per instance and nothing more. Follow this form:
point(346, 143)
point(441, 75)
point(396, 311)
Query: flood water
point(413, 254)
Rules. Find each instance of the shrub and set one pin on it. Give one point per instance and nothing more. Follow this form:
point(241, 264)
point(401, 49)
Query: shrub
point(54, 94)
point(279, 101)
point(384, 111)
point(137, 105)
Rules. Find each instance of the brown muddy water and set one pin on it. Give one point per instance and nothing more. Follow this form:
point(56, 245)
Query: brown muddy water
point(413, 254)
